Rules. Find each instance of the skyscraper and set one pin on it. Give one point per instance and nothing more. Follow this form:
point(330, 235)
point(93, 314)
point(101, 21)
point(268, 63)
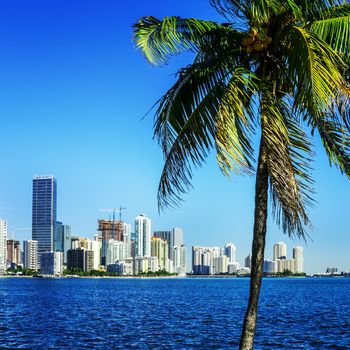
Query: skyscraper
point(30, 259)
point(159, 248)
point(13, 253)
point(67, 243)
point(127, 240)
point(173, 237)
point(142, 236)
point(230, 252)
point(298, 256)
point(3, 246)
point(58, 238)
point(179, 262)
point(248, 261)
point(115, 251)
point(44, 212)
point(51, 263)
point(279, 251)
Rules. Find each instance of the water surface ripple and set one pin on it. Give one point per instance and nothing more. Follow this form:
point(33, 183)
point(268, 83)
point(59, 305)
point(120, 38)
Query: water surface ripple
point(171, 313)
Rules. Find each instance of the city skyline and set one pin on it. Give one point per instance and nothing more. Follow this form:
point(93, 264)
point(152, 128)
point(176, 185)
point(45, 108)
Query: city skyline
point(45, 192)
point(84, 122)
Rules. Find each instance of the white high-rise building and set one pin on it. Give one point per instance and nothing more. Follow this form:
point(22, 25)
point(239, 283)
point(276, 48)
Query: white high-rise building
point(178, 237)
point(143, 236)
point(115, 251)
point(271, 267)
point(179, 262)
point(205, 261)
point(279, 251)
point(197, 259)
point(298, 256)
point(230, 252)
point(96, 246)
point(30, 253)
point(215, 252)
point(3, 246)
point(286, 264)
point(183, 266)
point(221, 263)
point(127, 239)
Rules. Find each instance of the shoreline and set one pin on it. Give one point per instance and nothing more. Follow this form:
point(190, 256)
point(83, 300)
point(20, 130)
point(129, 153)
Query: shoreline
point(167, 277)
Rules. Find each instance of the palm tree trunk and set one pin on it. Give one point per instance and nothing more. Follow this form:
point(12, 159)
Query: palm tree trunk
point(258, 248)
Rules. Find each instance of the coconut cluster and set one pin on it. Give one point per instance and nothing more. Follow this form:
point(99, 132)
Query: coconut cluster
point(255, 41)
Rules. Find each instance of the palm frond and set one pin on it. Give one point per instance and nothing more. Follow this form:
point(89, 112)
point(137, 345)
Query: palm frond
point(288, 153)
point(318, 9)
point(234, 124)
point(314, 69)
point(334, 31)
point(336, 141)
point(159, 39)
point(232, 10)
point(188, 126)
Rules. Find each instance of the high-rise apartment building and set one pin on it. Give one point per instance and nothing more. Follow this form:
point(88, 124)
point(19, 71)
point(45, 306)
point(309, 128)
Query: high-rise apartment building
point(173, 237)
point(279, 251)
point(51, 263)
point(127, 240)
point(80, 259)
point(159, 248)
point(115, 251)
point(230, 252)
point(3, 246)
point(270, 267)
point(142, 236)
point(298, 256)
point(13, 253)
point(197, 252)
point(30, 255)
point(44, 212)
point(221, 264)
point(205, 260)
point(179, 262)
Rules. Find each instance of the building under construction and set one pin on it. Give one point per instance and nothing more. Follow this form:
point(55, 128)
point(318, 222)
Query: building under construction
point(111, 229)
point(13, 253)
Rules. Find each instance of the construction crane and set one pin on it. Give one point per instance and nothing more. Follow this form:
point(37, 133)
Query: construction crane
point(14, 230)
point(113, 211)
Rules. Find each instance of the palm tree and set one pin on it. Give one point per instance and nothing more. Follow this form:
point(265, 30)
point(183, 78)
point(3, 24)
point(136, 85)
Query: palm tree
point(277, 69)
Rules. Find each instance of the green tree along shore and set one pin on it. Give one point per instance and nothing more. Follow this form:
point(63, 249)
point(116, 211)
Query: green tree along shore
point(278, 69)
point(98, 273)
point(92, 273)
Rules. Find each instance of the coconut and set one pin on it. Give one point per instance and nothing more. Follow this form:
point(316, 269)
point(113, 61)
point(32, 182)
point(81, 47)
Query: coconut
point(258, 46)
point(248, 40)
point(250, 49)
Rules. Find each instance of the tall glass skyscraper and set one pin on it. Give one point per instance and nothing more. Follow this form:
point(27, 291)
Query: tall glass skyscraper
point(44, 212)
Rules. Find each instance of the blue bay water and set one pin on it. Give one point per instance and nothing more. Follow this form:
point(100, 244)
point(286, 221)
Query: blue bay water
point(171, 313)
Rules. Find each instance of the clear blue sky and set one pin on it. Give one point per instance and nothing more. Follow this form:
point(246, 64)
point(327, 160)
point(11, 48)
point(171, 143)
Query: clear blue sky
point(73, 91)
